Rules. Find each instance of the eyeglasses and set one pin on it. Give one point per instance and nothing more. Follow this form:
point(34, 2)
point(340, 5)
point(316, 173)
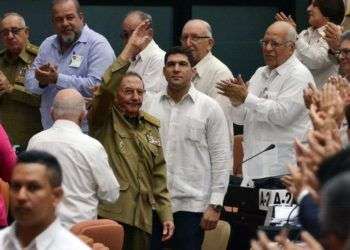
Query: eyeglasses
point(15, 31)
point(195, 39)
point(272, 43)
point(125, 34)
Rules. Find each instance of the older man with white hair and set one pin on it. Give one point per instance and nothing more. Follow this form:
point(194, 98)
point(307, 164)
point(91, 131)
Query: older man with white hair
point(271, 108)
point(87, 176)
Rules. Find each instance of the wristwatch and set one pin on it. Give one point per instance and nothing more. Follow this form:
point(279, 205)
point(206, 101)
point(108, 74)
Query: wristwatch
point(216, 208)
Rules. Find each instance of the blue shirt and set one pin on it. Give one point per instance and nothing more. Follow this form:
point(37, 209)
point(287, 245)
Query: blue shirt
point(80, 67)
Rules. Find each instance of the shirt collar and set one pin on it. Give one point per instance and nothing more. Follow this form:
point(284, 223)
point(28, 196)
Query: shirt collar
point(320, 30)
point(83, 38)
point(42, 241)
point(201, 65)
point(146, 51)
point(66, 124)
point(282, 69)
point(24, 56)
point(191, 94)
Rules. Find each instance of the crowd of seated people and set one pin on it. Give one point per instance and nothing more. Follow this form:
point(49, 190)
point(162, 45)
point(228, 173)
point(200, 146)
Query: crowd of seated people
point(144, 137)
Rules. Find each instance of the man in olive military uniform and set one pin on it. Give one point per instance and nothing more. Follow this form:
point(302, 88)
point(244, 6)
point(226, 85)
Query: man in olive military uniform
point(19, 110)
point(132, 142)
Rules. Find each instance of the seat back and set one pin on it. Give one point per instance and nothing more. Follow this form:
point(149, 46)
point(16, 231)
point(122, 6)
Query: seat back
point(218, 238)
point(5, 192)
point(107, 232)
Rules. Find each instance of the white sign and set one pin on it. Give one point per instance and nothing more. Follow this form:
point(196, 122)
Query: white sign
point(271, 197)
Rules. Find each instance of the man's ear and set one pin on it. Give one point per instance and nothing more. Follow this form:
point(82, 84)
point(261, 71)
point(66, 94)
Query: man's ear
point(211, 43)
point(57, 192)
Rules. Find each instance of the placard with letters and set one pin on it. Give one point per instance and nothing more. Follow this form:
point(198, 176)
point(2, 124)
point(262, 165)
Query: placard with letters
point(270, 197)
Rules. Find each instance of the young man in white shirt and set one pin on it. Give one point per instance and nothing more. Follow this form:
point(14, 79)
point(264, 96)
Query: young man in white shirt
point(35, 193)
point(196, 146)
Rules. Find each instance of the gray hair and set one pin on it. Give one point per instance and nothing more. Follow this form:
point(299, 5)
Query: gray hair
point(15, 14)
point(142, 15)
point(292, 34)
point(68, 104)
point(206, 25)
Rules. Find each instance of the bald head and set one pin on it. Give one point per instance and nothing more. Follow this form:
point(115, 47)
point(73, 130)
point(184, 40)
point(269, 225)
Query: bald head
point(197, 36)
point(278, 43)
point(69, 104)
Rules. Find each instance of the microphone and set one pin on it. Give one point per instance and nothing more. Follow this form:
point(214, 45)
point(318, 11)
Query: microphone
point(271, 146)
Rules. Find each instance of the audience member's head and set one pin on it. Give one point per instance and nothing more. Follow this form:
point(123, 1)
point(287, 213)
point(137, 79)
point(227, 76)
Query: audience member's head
point(197, 36)
point(335, 211)
point(131, 21)
point(68, 20)
point(69, 104)
point(321, 11)
point(333, 166)
point(35, 189)
point(278, 43)
point(129, 95)
point(13, 33)
point(178, 71)
point(344, 56)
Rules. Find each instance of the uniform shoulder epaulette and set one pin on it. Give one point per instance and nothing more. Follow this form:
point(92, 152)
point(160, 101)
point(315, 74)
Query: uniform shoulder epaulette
point(32, 49)
point(151, 119)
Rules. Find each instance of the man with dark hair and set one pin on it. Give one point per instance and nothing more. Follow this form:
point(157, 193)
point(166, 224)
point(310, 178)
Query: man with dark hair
point(312, 47)
point(35, 193)
point(76, 57)
point(19, 110)
point(88, 178)
point(132, 142)
point(335, 211)
point(197, 151)
point(148, 63)
point(344, 55)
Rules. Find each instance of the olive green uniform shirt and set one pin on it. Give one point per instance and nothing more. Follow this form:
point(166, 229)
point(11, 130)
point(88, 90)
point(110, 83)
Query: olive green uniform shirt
point(19, 110)
point(135, 154)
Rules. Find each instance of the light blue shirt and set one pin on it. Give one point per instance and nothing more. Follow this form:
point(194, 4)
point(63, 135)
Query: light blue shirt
point(80, 67)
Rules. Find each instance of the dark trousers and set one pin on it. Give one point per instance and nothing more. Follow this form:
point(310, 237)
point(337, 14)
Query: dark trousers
point(188, 233)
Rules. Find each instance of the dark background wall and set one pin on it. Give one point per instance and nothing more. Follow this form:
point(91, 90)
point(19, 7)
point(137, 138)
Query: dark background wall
point(238, 25)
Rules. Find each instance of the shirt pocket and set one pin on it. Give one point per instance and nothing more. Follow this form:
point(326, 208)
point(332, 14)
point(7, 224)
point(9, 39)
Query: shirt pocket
point(272, 95)
point(195, 130)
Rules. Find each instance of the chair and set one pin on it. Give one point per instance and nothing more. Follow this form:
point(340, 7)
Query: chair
point(107, 232)
point(237, 154)
point(5, 192)
point(218, 238)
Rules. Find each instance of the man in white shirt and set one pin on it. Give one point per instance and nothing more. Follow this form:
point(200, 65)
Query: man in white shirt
point(197, 150)
point(35, 193)
point(149, 62)
point(87, 174)
point(271, 109)
point(311, 46)
point(197, 36)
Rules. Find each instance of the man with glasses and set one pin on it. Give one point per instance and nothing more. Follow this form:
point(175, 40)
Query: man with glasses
point(19, 110)
point(76, 57)
point(344, 55)
point(197, 36)
point(271, 109)
point(148, 63)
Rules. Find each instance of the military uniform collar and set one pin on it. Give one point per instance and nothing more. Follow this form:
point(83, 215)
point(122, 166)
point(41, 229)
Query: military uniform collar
point(24, 55)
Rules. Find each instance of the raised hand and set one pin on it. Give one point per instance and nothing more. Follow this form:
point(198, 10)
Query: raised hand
point(280, 16)
point(235, 89)
point(138, 40)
